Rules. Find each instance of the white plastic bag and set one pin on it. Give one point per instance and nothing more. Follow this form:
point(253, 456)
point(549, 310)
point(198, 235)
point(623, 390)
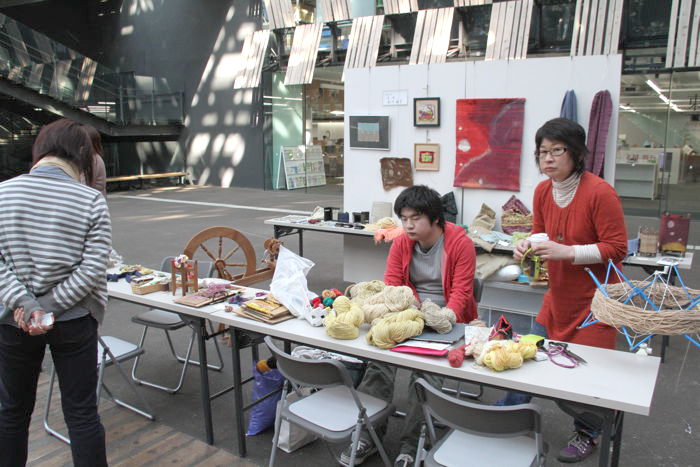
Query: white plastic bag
point(289, 284)
point(292, 437)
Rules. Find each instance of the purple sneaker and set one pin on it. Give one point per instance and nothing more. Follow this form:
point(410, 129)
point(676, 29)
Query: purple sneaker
point(580, 447)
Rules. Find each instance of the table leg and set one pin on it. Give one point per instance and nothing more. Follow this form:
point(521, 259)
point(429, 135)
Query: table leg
point(301, 242)
point(612, 431)
point(604, 448)
point(237, 391)
point(617, 442)
point(200, 326)
point(664, 343)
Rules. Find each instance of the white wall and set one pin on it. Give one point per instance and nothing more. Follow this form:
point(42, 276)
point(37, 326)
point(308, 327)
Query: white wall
point(541, 81)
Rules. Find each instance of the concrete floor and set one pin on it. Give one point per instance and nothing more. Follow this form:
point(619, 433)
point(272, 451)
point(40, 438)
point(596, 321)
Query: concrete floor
point(146, 229)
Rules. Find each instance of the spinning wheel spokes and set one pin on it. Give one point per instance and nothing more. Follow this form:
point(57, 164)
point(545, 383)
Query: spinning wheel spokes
point(247, 263)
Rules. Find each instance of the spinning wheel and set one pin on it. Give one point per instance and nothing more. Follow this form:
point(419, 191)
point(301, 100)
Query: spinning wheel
point(231, 252)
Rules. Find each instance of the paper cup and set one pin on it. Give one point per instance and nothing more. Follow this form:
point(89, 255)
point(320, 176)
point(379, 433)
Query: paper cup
point(538, 238)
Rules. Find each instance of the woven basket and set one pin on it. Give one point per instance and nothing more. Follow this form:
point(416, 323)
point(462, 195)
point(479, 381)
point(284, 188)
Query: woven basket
point(665, 321)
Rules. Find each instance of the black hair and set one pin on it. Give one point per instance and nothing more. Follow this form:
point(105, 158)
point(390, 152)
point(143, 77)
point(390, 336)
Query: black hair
point(423, 200)
point(568, 132)
point(67, 140)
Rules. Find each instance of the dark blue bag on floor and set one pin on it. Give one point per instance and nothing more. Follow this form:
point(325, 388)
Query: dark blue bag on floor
point(262, 415)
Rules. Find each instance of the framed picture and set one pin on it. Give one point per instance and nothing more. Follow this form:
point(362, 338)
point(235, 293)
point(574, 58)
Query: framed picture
point(426, 111)
point(426, 156)
point(369, 133)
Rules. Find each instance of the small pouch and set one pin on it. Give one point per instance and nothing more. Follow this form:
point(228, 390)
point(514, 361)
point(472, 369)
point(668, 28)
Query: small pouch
point(502, 330)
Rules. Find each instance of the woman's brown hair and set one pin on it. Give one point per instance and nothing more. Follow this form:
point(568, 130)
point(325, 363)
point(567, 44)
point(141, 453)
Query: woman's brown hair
point(67, 140)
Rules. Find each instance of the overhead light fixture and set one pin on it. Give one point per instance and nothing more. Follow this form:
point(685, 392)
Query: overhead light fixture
point(627, 108)
point(337, 112)
point(665, 99)
point(653, 86)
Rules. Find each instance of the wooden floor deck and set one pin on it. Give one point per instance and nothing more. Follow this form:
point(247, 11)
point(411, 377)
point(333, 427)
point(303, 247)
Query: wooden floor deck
point(132, 440)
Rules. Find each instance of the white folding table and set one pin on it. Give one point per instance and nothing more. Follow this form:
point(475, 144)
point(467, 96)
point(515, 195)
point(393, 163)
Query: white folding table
point(612, 383)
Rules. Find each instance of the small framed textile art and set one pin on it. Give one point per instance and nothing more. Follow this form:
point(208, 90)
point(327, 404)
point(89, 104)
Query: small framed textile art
point(426, 156)
point(396, 171)
point(426, 111)
point(369, 133)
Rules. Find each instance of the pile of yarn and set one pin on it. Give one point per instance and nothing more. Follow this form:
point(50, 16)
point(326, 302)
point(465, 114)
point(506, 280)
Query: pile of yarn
point(383, 223)
point(395, 328)
point(501, 355)
point(441, 319)
point(344, 320)
point(326, 299)
point(363, 290)
point(391, 299)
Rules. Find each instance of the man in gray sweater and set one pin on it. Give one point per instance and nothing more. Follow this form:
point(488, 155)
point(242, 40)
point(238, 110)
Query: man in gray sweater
point(55, 238)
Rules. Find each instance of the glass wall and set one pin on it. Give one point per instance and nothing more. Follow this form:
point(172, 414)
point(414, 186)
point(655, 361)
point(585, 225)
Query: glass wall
point(304, 132)
point(659, 144)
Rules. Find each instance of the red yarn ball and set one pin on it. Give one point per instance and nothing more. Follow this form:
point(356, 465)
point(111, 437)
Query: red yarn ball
point(456, 356)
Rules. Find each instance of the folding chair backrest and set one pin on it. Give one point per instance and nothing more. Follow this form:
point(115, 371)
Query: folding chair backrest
point(204, 268)
point(314, 373)
point(476, 418)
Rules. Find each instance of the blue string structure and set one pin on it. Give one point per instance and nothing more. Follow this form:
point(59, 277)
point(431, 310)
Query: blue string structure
point(658, 281)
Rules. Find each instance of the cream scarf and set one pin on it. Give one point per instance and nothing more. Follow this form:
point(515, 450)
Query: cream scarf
point(68, 167)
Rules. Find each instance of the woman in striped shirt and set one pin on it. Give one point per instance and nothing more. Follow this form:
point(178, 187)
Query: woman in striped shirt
point(55, 237)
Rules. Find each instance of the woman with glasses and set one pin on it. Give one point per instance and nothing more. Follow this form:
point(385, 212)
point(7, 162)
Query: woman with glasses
point(582, 216)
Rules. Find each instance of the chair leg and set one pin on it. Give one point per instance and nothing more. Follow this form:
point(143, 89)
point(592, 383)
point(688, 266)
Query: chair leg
point(217, 367)
point(377, 442)
point(186, 361)
point(355, 442)
point(276, 436)
point(420, 453)
point(47, 409)
point(100, 384)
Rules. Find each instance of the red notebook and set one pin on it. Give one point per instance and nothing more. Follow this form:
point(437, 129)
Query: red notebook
point(420, 350)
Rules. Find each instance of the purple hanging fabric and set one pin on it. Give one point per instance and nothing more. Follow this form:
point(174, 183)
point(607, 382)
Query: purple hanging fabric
point(598, 127)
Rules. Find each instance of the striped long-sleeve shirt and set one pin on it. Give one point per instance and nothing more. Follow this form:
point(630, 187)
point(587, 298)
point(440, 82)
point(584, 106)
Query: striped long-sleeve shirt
point(55, 239)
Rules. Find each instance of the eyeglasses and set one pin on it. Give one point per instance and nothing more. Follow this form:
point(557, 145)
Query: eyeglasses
point(555, 152)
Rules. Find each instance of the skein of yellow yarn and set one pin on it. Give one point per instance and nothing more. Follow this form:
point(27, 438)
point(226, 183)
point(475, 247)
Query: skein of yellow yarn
point(439, 318)
point(391, 299)
point(361, 291)
point(504, 355)
point(344, 320)
point(395, 328)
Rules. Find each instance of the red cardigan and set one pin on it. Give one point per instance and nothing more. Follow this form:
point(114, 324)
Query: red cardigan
point(458, 265)
point(593, 216)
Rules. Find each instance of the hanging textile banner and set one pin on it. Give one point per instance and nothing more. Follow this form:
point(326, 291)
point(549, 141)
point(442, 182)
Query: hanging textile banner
point(489, 143)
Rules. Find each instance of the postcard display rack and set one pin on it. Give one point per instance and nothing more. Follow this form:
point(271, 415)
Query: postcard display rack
point(303, 170)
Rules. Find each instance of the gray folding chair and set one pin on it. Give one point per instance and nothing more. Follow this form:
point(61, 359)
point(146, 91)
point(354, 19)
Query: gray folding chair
point(477, 287)
point(110, 351)
point(169, 321)
point(335, 413)
point(479, 435)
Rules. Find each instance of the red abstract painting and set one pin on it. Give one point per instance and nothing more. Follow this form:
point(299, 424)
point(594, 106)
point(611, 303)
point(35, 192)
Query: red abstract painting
point(489, 143)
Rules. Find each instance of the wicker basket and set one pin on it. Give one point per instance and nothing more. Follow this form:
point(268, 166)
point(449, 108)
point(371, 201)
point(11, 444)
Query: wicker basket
point(665, 321)
point(146, 289)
